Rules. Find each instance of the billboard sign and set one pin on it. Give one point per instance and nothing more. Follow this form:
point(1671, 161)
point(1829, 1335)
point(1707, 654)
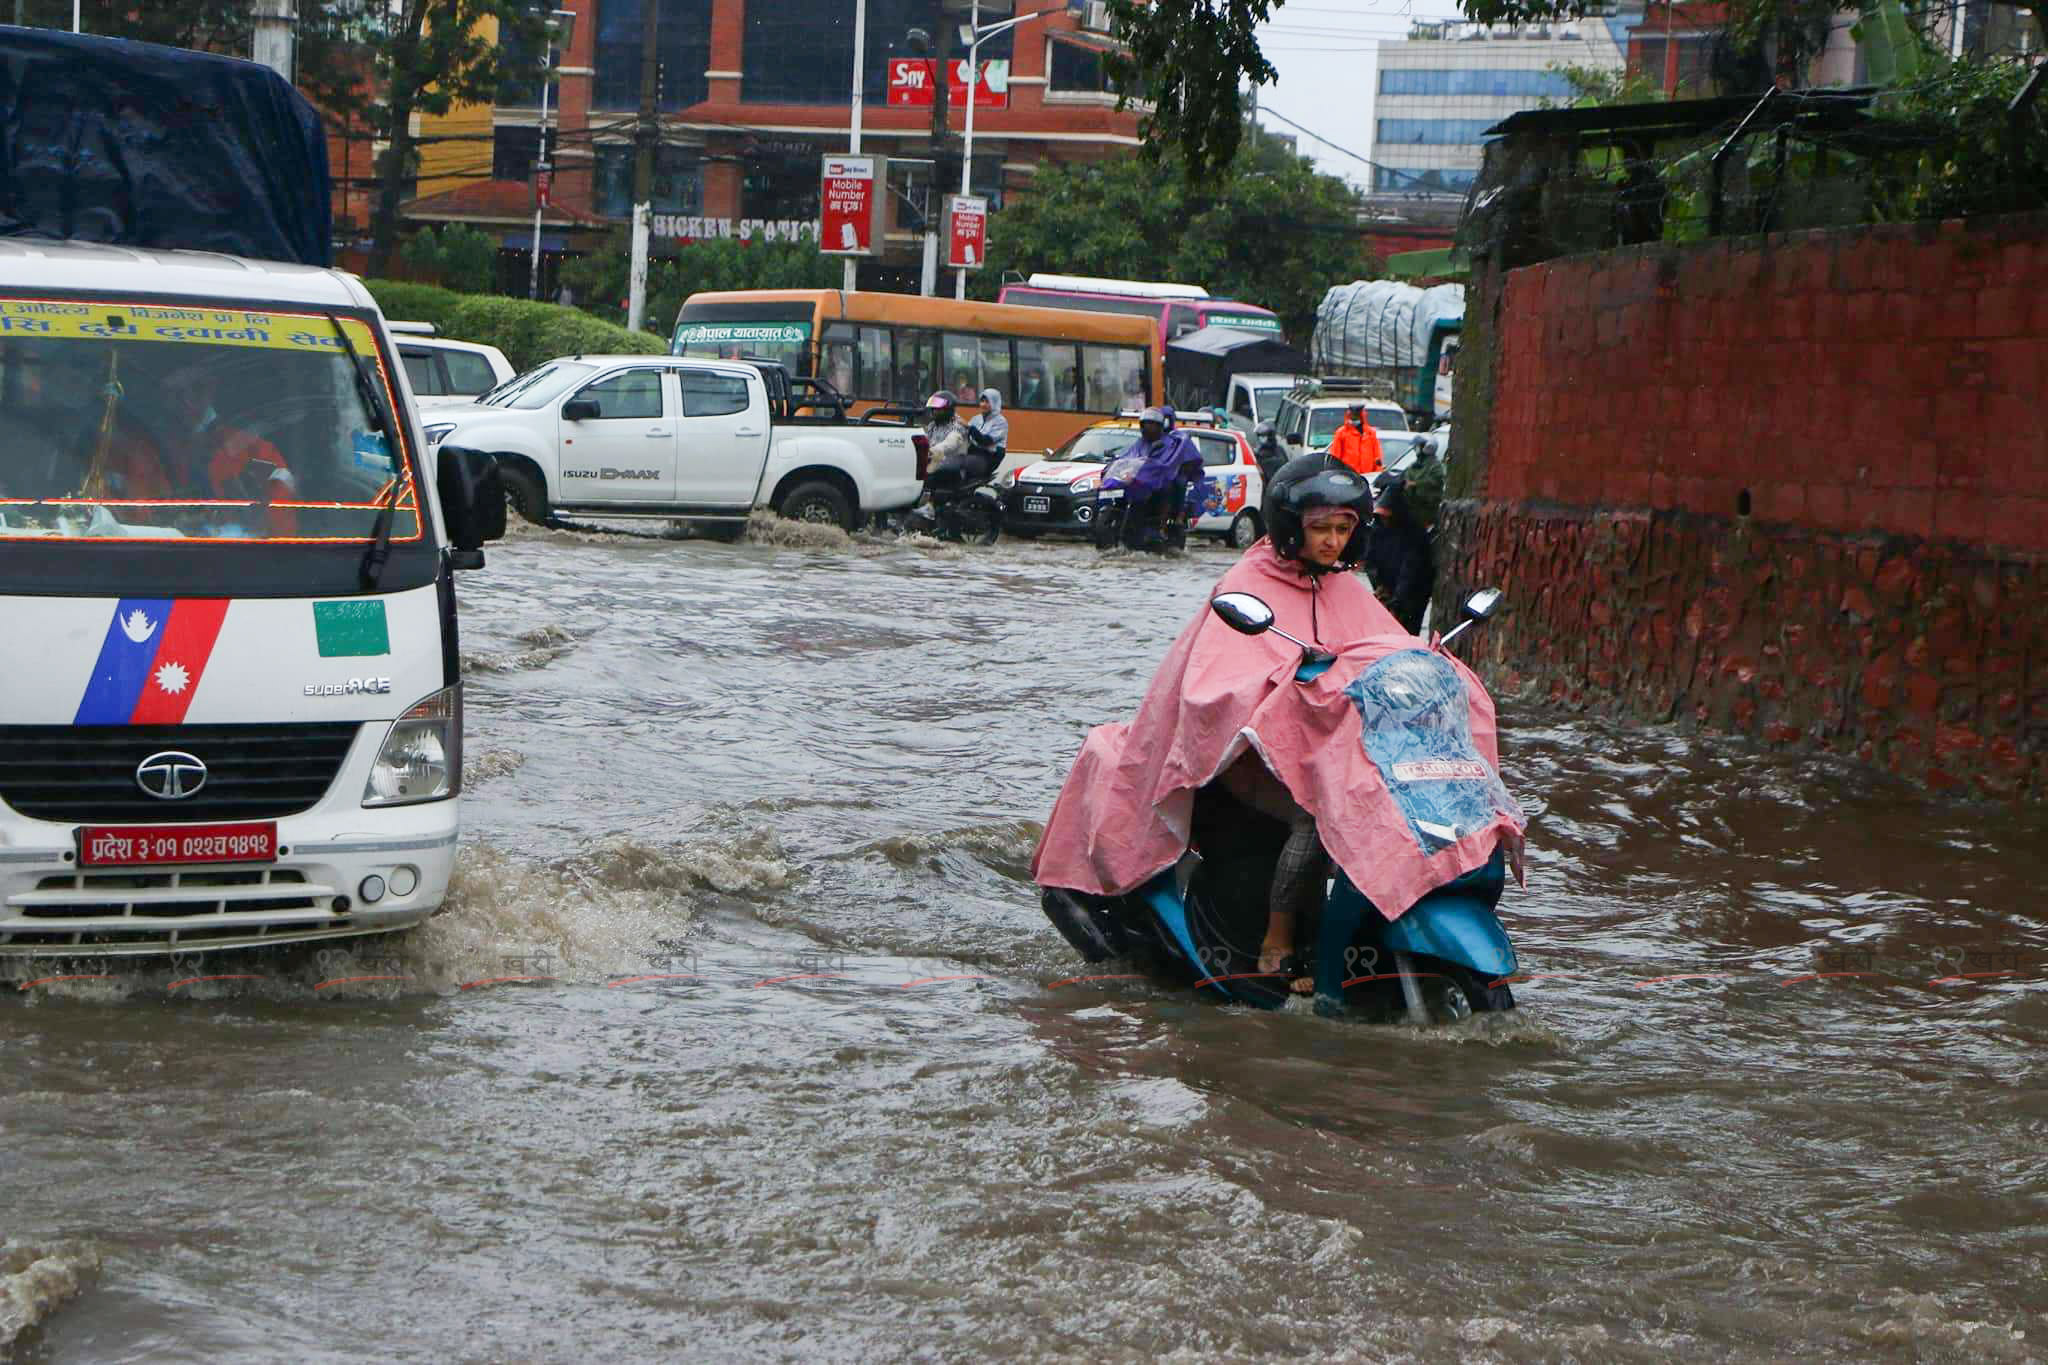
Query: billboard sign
point(850, 195)
point(911, 85)
point(966, 231)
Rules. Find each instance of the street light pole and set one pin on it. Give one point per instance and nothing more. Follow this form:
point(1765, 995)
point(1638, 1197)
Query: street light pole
point(977, 33)
point(967, 153)
point(850, 269)
point(565, 20)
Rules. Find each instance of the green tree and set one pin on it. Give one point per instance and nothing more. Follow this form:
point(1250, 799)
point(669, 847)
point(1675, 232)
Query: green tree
point(381, 64)
point(1192, 58)
point(461, 257)
point(1593, 86)
point(1267, 228)
point(599, 279)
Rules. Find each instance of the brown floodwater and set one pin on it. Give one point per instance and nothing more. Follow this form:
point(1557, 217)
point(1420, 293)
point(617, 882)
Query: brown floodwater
point(805, 1077)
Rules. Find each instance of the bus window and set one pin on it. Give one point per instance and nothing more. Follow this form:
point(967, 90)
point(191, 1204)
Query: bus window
point(874, 368)
point(917, 365)
point(1048, 375)
point(835, 357)
point(1116, 378)
point(995, 366)
point(1180, 320)
point(963, 366)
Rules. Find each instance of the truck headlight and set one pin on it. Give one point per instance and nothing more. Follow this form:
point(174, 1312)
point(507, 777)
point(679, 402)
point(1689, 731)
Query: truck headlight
point(438, 432)
point(421, 759)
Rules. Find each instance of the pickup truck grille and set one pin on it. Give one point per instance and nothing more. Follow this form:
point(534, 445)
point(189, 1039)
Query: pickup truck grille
point(86, 773)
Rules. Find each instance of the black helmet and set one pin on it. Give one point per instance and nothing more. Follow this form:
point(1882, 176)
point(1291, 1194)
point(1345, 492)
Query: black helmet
point(1263, 433)
point(1308, 481)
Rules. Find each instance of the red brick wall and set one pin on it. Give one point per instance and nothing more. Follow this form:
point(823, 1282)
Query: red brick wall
point(1879, 396)
point(1885, 380)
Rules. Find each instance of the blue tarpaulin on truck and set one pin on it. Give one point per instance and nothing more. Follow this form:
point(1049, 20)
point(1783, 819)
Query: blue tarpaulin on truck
point(106, 140)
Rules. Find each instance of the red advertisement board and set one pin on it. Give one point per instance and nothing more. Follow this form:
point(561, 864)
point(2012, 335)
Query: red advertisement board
point(910, 84)
point(850, 205)
point(966, 232)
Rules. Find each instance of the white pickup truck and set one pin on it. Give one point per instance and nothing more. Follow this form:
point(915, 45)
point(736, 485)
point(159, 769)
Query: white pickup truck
point(680, 438)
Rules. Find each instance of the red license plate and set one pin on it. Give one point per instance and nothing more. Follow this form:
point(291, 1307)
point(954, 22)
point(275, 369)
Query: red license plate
point(149, 845)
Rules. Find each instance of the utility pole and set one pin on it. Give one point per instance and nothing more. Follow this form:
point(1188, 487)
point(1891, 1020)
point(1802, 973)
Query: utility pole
point(270, 42)
point(935, 199)
point(850, 275)
point(646, 135)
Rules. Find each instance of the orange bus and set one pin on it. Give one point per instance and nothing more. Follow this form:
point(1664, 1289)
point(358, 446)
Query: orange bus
point(1058, 370)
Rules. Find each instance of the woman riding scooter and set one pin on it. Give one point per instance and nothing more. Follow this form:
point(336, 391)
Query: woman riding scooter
point(1315, 516)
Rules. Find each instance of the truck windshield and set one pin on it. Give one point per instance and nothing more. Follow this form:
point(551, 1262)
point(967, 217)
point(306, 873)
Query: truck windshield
point(539, 385)
point(123, 422)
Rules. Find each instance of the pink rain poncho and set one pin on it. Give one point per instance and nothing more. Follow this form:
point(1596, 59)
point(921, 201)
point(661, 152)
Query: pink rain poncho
point(1394, 749)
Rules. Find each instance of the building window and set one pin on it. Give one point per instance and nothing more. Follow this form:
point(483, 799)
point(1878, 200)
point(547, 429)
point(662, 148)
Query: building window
point(683, 52)
point(1421, 180)
point(1473, 81)
point(801, 51)
point(1073, 68)
point(678, 180)
point(1444, 132)
point(514, 149)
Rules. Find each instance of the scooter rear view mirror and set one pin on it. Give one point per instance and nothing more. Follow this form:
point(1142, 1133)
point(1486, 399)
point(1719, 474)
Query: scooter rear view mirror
point(1481, 604)
point(1243, 612)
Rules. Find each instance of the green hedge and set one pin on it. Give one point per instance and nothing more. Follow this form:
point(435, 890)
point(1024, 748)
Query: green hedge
point(528, 333)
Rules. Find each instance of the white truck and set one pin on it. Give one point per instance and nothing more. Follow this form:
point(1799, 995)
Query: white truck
point(685, 439)
point(232, 707)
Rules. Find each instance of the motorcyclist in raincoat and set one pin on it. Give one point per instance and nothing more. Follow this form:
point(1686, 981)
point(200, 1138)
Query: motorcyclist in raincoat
point(1152, 468)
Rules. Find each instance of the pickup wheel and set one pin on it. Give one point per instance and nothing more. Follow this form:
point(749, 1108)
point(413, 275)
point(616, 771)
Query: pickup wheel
point(819, 502)
point(524, 494)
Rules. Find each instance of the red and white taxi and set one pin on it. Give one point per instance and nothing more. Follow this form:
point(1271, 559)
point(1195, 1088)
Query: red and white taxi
point(1058, 493)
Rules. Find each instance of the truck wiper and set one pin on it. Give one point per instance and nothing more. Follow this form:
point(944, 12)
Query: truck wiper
point(366, 387)
point(380, 537)
point(372, 570)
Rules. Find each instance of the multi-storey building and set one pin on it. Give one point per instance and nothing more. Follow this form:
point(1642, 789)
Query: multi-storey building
point(1439, 91)
point(752, 93)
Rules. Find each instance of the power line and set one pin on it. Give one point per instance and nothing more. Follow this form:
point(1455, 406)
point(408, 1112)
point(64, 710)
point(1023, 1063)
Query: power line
point(1388, 170)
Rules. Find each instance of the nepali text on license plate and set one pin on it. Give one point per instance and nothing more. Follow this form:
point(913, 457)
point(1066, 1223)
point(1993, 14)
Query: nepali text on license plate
point(1038, 505)
point(146, 845)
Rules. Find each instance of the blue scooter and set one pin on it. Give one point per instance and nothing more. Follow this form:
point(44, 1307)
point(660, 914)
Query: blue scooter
point(1201, 922)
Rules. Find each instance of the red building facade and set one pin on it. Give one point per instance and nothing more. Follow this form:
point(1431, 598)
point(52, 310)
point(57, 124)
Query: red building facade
point(752, 93)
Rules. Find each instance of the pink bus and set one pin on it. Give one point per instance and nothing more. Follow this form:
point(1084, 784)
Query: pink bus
point(1179, 308)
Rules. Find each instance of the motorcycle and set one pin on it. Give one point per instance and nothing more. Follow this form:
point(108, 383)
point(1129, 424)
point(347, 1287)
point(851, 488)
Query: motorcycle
point(1201, 922)
point(1113, 502)
point(969, 510)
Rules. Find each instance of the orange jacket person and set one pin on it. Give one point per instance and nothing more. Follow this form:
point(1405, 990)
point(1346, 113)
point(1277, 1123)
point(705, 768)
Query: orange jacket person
point(1355, 443)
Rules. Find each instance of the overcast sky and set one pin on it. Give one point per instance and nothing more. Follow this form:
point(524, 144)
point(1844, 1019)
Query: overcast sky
point(1323, 50)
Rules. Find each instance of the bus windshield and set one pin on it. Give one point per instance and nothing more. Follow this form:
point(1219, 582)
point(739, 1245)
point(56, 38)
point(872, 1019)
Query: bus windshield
point(123, 422)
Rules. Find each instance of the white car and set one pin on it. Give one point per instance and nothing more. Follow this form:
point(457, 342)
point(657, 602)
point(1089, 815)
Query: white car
point(447, 373)
point(681, 438)
point(1306, 425)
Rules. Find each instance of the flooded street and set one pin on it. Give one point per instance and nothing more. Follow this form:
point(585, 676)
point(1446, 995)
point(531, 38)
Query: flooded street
point(803, 1075)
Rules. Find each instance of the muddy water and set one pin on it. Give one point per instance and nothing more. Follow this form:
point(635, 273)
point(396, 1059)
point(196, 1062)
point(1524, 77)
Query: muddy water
point(844, 1112)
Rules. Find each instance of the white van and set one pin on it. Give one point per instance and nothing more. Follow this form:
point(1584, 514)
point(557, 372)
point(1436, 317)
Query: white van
point(231, 713)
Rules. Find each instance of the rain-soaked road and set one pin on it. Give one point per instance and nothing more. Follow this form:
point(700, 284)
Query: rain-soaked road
point(861, 1122)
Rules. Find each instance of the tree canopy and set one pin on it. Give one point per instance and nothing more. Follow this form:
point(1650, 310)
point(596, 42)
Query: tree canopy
point(1193, 59)
point(1266, 228)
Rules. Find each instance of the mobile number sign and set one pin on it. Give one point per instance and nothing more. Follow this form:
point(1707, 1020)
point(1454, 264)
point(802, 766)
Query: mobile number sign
point(850, 205)
point(966, 232)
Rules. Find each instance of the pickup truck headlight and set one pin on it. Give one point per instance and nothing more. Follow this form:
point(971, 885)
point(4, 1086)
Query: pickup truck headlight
point(421, 759)
point(1087, 483)
point(438, 432)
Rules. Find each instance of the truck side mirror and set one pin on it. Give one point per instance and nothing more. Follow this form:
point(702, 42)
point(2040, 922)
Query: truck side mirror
point(579, 410)
point(472, 502)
